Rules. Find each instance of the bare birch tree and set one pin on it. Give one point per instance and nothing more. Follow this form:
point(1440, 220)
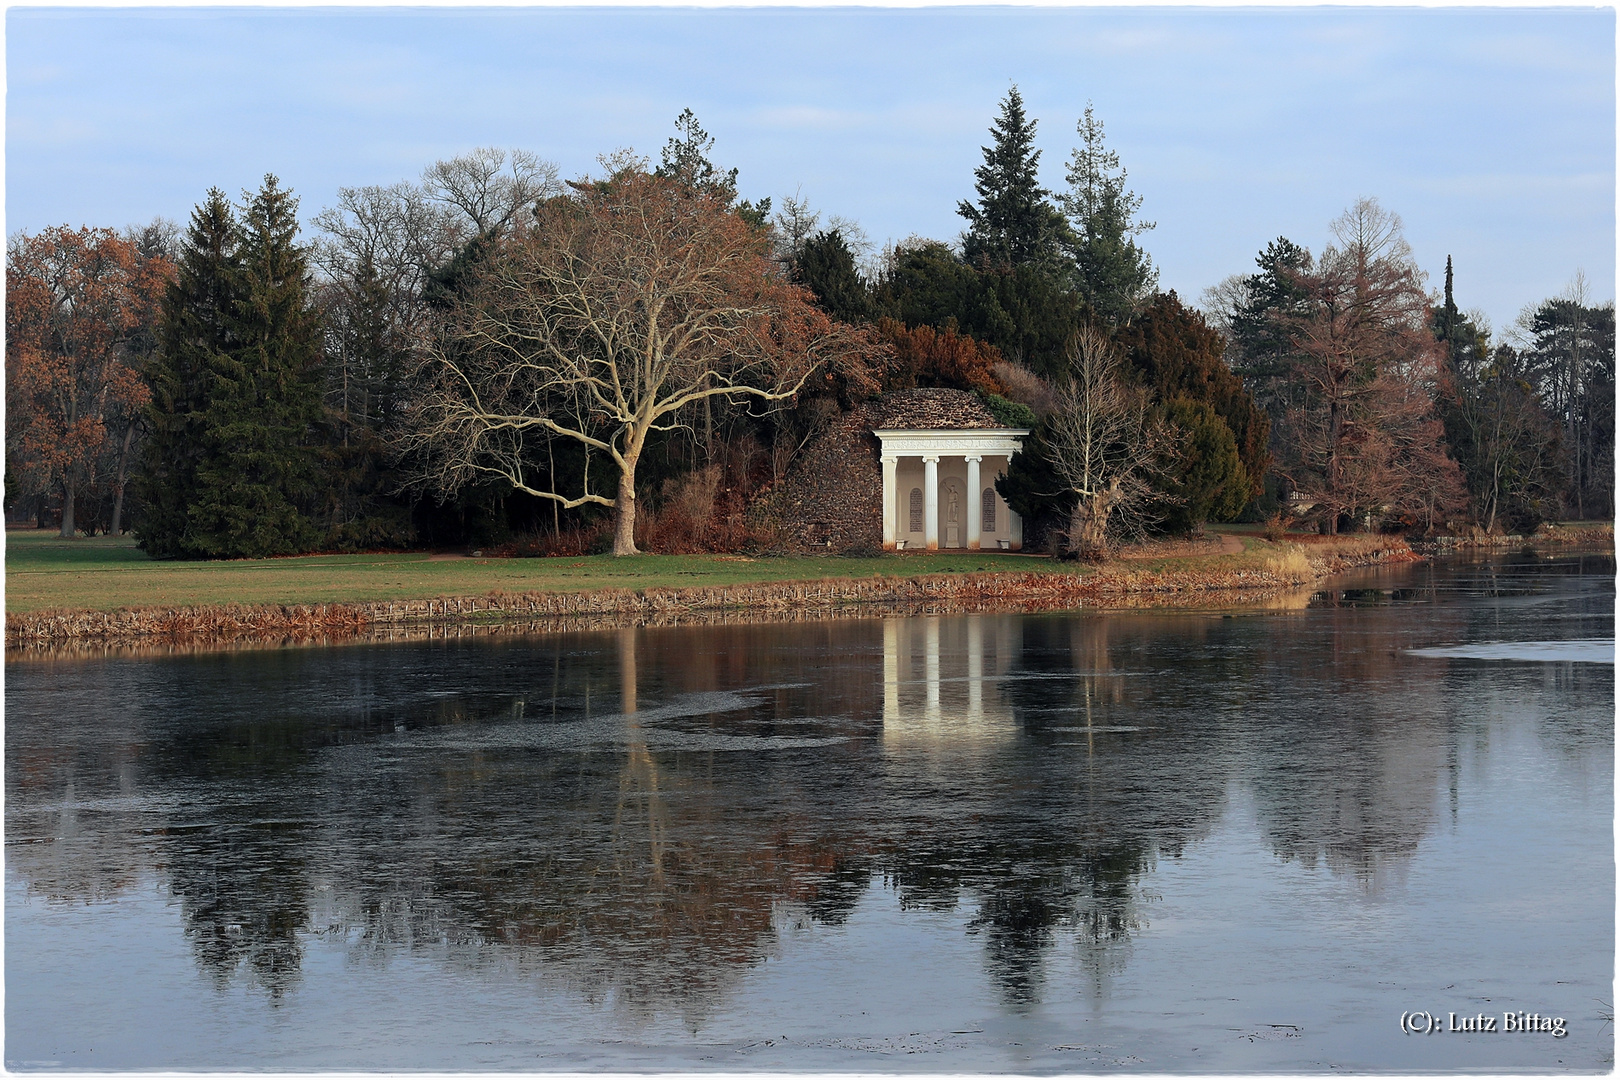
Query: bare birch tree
point(1105, 446)
point(622, 308)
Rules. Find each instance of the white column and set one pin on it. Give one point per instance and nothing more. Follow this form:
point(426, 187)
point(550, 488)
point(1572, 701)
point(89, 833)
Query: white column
point(890, 498)
point(975, 507)
point(931, 501)
point(1015, 525)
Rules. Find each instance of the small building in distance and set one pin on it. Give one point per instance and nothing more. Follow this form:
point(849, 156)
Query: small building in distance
point(913, 470)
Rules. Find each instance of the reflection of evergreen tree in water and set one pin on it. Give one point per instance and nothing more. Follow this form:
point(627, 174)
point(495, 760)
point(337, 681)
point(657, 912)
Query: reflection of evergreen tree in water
point(240, 874)
point(530, 821)
point(1091, 896)
point(640, 876)
point(244, 901)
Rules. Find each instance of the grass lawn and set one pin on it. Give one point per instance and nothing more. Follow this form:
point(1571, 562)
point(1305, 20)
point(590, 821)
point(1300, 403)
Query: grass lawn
point(106, 573)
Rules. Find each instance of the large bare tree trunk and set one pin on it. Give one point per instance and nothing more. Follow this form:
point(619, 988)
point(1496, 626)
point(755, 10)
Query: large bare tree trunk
point(67, 510)
point(624, 507)
point(1088, 525)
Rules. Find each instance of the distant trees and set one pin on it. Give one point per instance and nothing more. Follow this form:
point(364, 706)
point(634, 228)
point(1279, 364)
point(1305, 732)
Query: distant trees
point(1359, 432)
point(79, 302)
point(454, 354)
point(232, 468)
point(1569, 353)
point(1340, 351)
point(391, 261)
point(620, 309)
point(1387, 403)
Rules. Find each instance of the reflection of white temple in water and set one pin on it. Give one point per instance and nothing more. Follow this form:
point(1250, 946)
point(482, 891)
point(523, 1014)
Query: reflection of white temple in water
point(940, 679)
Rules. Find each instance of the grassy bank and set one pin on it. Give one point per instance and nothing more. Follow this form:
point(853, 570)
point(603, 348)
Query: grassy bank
point(47, 573)
point(82, 590)
point(44, 572)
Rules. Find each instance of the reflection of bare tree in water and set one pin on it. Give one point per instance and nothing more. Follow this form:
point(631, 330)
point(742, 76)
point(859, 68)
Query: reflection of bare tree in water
point(1348, 770)
point(647, 879)
point(640, 802)
point(1030, 768)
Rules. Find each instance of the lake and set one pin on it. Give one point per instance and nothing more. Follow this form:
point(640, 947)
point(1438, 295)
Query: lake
point(1333, 833)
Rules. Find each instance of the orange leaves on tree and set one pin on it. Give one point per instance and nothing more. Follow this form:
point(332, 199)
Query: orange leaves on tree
point(74, 298)
point(926, 356)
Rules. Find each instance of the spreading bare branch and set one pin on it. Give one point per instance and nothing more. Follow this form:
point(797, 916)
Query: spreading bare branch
point(620, 308)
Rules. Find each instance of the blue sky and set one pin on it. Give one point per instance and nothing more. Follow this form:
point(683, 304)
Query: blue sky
point(1490, 131)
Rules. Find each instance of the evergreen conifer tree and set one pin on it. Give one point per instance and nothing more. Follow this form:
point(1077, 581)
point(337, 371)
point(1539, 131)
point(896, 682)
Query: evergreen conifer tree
point(1014, 223)
point(827, 268)
point(686, 161)
point(1112, 272)
point(234, 462)
point(195, 334)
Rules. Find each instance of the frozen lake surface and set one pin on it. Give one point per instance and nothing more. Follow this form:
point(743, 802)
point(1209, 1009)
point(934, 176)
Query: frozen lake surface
point(1150, 841)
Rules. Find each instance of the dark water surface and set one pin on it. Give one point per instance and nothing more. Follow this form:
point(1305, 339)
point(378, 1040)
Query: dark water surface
point(1038, 843)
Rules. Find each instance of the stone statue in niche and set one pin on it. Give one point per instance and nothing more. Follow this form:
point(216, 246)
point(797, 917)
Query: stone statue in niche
point(951, 506)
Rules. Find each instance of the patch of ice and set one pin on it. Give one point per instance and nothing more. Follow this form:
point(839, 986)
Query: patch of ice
point(1580, 651)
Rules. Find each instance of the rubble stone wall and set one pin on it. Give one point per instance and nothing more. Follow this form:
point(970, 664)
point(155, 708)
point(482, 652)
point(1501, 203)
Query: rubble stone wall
point(832, 499)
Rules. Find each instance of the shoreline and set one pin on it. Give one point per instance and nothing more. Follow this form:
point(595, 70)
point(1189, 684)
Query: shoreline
point(1111, 585)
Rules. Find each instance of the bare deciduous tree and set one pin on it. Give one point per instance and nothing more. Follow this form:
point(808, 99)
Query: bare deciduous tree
point(492, 186)
point(624, 306)
point(1104, 445)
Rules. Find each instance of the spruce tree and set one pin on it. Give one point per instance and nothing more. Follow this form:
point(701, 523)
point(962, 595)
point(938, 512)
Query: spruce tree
point(1014, 223)
point(194, 336)
point(234, 462)
point(827, 268)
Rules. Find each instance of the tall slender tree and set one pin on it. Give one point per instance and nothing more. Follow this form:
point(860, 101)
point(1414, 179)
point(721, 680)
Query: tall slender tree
point(1113, 273)
point(195, 334)
point(1014, 222)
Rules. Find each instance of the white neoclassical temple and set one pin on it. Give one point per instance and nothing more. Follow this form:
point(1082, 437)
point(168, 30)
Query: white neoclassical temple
point(939, 487)
point(913, 470)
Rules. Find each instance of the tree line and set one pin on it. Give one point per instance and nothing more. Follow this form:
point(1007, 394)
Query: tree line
point(492, 355)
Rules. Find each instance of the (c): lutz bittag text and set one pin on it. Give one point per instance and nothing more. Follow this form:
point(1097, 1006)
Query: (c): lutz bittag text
point(1428, 1023)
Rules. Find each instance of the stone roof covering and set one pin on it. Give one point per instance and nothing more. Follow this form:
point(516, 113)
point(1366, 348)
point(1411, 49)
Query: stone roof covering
point(932, 410)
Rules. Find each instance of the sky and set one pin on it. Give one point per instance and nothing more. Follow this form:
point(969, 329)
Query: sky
point(1490, 131)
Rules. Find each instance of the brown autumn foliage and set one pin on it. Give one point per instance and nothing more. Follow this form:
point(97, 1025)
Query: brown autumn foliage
point(1360, 434)
point(930, 356)
point(75, 298)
